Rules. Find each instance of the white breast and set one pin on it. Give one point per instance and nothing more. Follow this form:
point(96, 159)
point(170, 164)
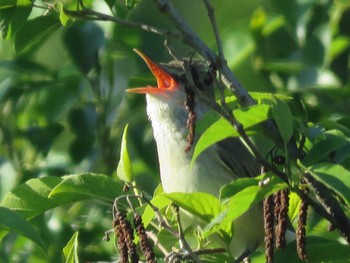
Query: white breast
point(207, 174)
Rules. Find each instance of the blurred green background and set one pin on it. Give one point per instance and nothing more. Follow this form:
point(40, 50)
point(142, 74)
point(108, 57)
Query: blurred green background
point(63, 105)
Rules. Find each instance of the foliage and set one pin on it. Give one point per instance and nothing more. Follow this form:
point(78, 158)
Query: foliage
point(64, 68)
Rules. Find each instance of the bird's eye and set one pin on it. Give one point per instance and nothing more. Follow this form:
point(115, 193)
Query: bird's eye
point(183, 79)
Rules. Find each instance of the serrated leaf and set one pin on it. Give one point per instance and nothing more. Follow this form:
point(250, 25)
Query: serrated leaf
point(34, 32)
point(31, 198)
point(70, 251)
point(283, 118)
point(222, 129)
point(335, 177)
point(203, 205)
point(82, 186)
point(15, 222)
point(124, 169)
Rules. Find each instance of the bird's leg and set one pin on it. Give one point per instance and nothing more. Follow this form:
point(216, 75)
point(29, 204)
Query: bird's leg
point(244, 257)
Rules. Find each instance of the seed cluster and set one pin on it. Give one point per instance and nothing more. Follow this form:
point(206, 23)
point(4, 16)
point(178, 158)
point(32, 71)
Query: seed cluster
point(269, 230)
point(125, 239)
point(301, 230)
point(281, 216)
point(125, 236)
point(146, 248)
point(192, 116)
point(275, 224)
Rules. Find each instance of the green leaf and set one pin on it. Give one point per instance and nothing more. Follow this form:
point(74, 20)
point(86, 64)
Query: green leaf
point(242, 200)
point(15, 222)
point(158, 201)
point(13, 3)
point(203, 205)
point(283, 118)
point(222, 129)
point(39, 195)
point(110, 3)
point(83, 41)
point(294, 204)
point(70, 251)
point(31, 198)
point(124, 169)
point(32, 33)
point(64, 18)
point(82, 186)
point(12, 19)
point(230, 189)
point(318, 250)
point(323, 149)
point(334, 176)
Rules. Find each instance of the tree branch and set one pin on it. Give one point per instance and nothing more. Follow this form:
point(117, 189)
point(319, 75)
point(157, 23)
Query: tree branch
point(94, 15)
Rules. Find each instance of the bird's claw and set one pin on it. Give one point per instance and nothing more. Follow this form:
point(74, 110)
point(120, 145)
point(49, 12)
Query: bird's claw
point(177, 256)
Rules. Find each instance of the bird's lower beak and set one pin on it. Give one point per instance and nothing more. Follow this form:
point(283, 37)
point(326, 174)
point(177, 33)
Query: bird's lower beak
point(165, 81)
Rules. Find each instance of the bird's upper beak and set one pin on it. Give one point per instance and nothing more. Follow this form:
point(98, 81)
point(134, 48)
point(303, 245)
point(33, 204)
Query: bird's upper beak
point(165, 81)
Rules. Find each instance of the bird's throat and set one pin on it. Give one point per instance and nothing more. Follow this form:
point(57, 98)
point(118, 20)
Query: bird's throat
point(168, 121)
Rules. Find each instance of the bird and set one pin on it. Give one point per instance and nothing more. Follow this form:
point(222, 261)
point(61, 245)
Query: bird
point(217, 166)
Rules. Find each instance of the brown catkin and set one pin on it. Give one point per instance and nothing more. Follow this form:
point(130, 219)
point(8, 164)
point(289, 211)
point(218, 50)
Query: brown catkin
point(301, 231)
point(122, 247)
point(269, 228)
point(128, 234)
point(282, 218)
point(191, 120)
point(146, 248)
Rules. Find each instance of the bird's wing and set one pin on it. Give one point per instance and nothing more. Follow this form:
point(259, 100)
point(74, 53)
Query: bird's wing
point(237, 158)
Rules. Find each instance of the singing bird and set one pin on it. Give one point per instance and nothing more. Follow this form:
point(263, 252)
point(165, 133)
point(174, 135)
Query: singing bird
point(217, 165)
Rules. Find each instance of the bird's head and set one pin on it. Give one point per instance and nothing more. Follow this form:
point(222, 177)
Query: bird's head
point(172, 80)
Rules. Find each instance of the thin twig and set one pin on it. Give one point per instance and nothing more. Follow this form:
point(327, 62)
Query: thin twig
point(94, 15)
point(214, 25)
point(156, 242)
point(182, 239)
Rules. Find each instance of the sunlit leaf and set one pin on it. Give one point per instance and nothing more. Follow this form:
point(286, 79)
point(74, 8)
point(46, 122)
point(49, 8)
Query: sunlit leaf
point(31, 198)
point(12, 3)
point(222, 129)
point(203, 205)
point(70, 251)
point(242, 200)
point(64, 18)
point(159, 201)
point(124, 169)
point(82, 186)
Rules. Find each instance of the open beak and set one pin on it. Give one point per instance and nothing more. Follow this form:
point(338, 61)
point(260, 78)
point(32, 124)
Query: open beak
point(165, 81)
